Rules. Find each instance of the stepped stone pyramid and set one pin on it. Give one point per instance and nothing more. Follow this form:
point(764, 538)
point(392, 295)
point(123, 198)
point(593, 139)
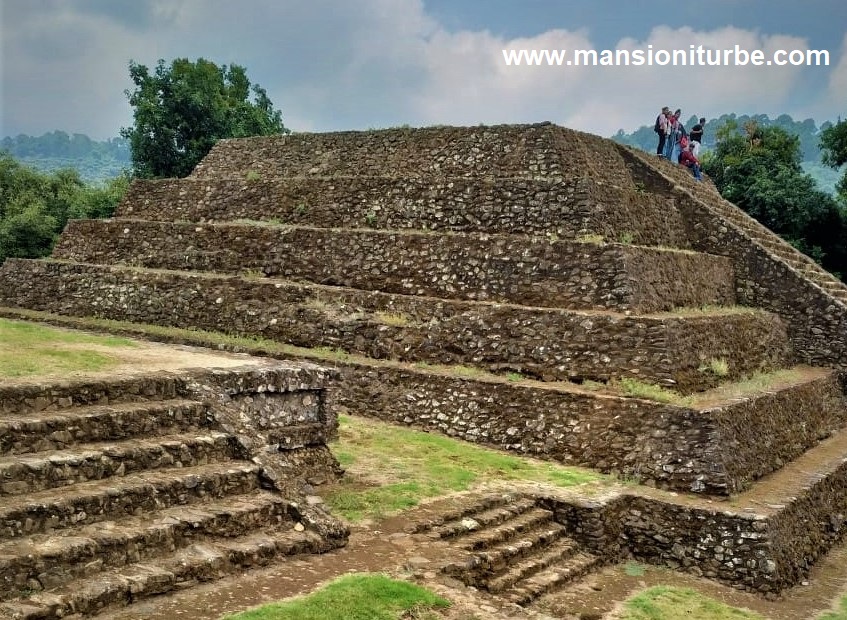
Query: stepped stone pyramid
point(443, 263)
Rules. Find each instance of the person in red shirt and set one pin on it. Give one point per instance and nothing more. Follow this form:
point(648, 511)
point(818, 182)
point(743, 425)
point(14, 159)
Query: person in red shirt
point(687, 159)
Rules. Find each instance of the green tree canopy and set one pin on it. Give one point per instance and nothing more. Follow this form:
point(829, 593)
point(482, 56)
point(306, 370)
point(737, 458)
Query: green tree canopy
point(834, 152)
point(759, 170)
point(181, 110)
point(35, 206)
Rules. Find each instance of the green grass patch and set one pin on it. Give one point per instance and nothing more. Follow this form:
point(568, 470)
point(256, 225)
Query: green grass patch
point(28, 349)
point(668, 603)
point(838, 614)
point(649, 391)
point(634, 569)
point(384, 480)
point(353, 597)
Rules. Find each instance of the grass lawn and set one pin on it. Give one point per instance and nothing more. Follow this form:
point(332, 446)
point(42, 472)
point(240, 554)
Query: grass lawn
point(839, 614)
point(354, 597)
point(667, 603)
point(392, 468)
point(28, 349)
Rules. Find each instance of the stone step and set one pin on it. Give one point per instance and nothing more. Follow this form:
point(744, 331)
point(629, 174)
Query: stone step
point(46, 561)
point(556, 554)
point(22, 398)
point(114, 498)
point(552, 578)
point(489, 537)
point(197, 563)
point(519, 269)
point(547, 343)
point(455, 508)
point(487, 516)
point(565, 208)
point(497, 558)
point(22, 474)
point(64, 428)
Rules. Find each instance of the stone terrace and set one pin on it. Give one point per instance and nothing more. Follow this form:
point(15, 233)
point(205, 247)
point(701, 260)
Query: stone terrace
point(445, 263)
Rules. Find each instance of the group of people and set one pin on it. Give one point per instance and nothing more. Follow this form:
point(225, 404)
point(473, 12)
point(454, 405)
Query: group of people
point(676, 144)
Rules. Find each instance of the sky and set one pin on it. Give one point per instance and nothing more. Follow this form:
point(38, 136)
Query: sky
point(359, 64)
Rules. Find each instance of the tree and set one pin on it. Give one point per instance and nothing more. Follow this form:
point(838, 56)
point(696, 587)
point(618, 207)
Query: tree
point(35, 206)
point(759, 170)
point(834, 150)
point(181, 110)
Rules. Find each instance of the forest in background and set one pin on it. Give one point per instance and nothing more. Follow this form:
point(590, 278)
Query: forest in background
point(97, 162)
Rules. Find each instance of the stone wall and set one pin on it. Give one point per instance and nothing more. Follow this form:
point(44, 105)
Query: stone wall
point(565, 208)
point(531, 271)
point(548, 343)
point(806, 528)
point(712, 543)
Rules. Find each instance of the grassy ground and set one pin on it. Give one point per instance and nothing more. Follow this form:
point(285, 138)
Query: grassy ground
point(666, 603)
point(354, 597)
point(392, 468)
point(838, 614)
point(28, 349)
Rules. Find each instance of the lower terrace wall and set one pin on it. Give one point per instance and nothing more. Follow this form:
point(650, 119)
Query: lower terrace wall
point(807, 527)
point(548, 343)
point(565, 208)
point(760, 435)
point(533, 271)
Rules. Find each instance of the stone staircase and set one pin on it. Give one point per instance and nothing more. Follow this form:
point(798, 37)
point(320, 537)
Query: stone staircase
point(114, 492)
point(514, 550)
point(502, 285)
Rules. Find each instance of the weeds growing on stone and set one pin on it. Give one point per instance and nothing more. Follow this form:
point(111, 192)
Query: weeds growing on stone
point(626, 238)
point(719, 367)
point(253, 175)
point(590, 238)
point(649, 391)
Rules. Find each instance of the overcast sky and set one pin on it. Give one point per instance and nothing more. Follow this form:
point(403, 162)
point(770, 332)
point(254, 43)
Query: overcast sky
point(357, 64)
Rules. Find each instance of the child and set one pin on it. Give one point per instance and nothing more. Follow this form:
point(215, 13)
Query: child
point(689, 160)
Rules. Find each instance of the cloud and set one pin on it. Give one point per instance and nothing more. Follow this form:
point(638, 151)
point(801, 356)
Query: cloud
point(469, 81)
point(838, 82)
point(352, 65)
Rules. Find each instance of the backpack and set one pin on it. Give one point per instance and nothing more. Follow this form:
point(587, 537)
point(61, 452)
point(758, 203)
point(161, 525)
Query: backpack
point(657, 127)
